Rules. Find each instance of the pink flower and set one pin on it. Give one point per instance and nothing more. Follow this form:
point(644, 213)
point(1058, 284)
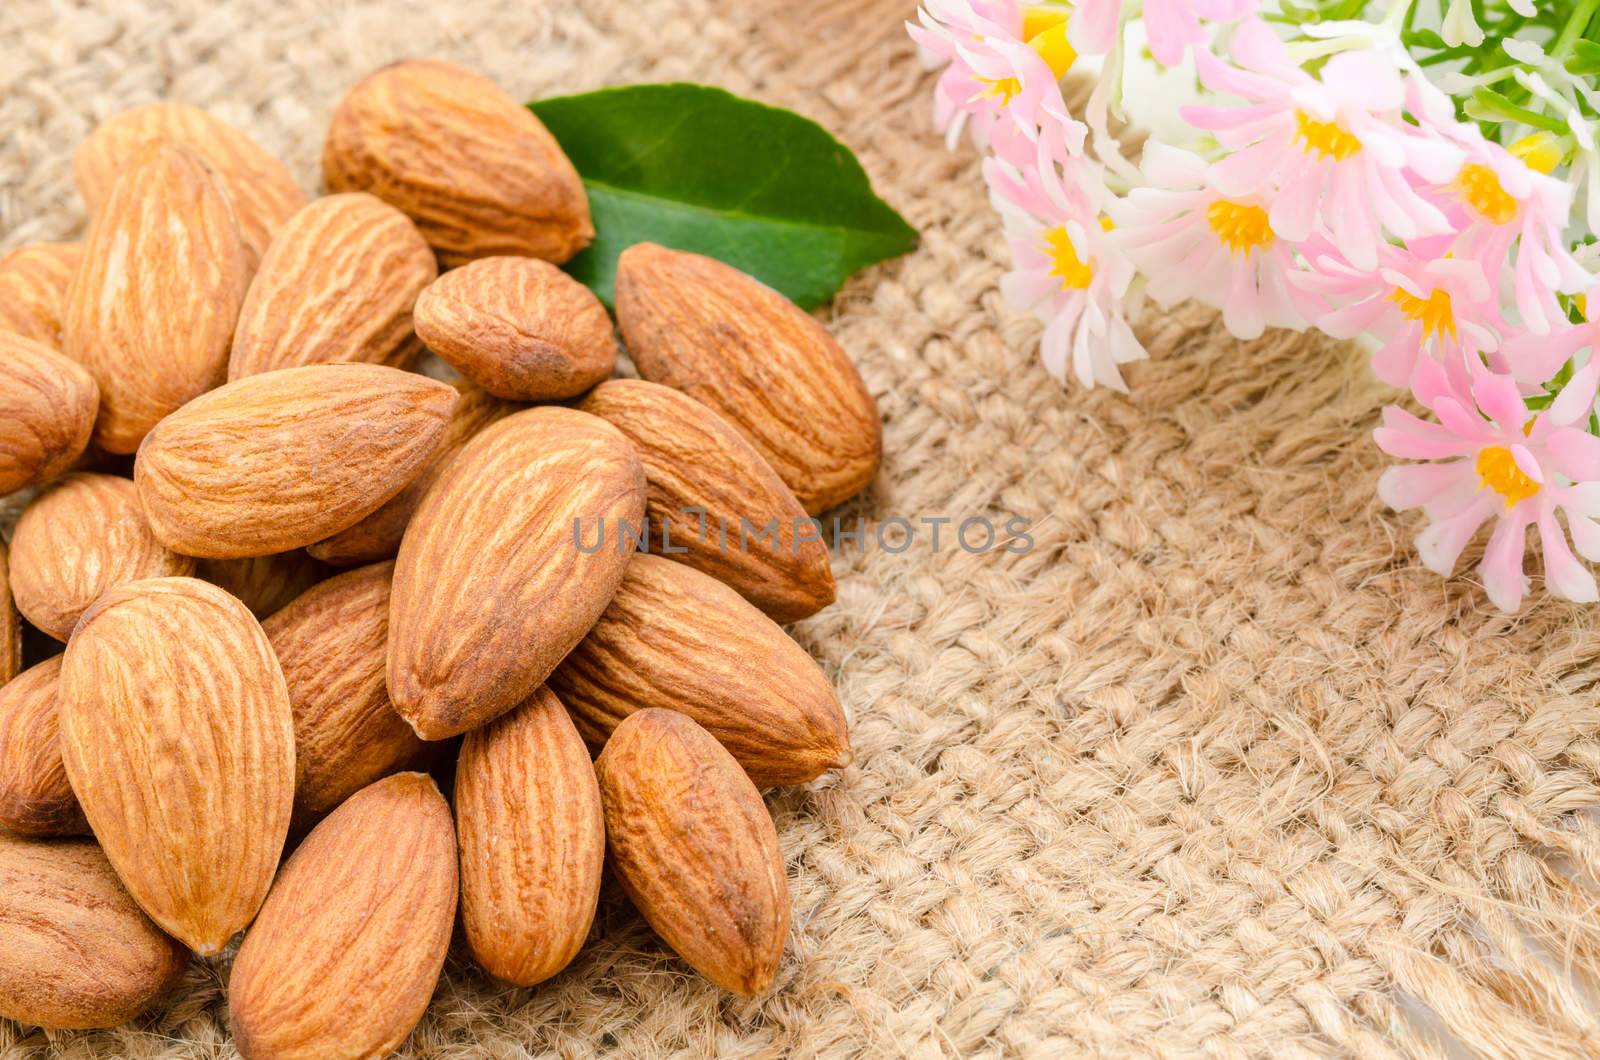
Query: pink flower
point(1066, 270)
point(1531, 358)
point(1489, 458)
point(1415, 301)
point(1508, 215)
point(1194, 242)
point(1332, 154)
point(1172, 27)
point(1005, 63)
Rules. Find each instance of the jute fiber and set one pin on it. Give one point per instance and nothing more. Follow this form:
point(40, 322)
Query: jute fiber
point(1214, 769)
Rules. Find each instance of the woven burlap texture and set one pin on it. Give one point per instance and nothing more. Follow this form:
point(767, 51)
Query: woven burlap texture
point(1215, 769)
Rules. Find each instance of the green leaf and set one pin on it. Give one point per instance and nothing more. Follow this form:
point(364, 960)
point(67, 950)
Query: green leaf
point(1423, 38)
point(1488, 105)
point(700, 169)
point(1585, 58)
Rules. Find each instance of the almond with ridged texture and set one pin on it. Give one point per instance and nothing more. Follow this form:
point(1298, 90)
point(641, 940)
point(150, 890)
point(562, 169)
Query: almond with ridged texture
point(10, 625)
point(347, 951)
point(47, 412)
point(492, 586)
point(697, 325)
point(276, 461)
point(179, 742)
point(673, 637)
point(520, 328)
point(151, 311)
point(330, 643)
point(35, 798)
point(78, 951)
point(476, 171)
point(532, 839)
point(707, 481)
point(260, 188)
point(338, 284)
point(694, 848)
point(80, 538)
point(33, 289)
point(264, 584)
point(377, 537)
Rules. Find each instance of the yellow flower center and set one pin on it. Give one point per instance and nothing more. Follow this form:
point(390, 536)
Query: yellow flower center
point(1498, 470)
point(1241, 226)
point(1482, 191)
point(1540, 151)
point(1324, 137)
point(1075, 273)
point(1045, 30)
point(1434, 311)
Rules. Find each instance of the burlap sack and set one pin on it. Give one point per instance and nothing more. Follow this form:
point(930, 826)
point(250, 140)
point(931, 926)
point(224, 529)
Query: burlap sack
point(1215, 768)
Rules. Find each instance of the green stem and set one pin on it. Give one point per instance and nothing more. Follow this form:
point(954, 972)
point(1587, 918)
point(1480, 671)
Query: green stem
point(1573, 30)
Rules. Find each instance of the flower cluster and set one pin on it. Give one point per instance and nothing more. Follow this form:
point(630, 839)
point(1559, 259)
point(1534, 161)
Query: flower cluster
point(1431, 188)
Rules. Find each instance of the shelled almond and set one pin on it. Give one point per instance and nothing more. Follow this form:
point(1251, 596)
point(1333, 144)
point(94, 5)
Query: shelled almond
point(225, 693)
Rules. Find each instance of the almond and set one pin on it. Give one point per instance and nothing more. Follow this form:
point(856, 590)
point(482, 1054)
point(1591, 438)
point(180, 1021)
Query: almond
point(674, 637)
point(261, 190)
point(33, 289)
point(694, 849)
point(331, 643)
point(264, 584)
point(337, 284)
point(491, 587)
point(520, 328)
point(276, 461)
point(378, 535)
point(179, 742)
point(348, 948)
point(151, 311)
point(10, 625)
point(47, 412)
point(476, 171)
point(533, 841)
point(80, 538)
point(715, 503)
point(78, 951)
point(771, 370)
point(35, 798)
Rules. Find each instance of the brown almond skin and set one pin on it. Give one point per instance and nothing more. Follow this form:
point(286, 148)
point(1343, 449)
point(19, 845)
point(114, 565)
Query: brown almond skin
point(35, 798)
point(261, 190)
point(476, 171)
point(377, 537)
point(79, 952)
point(490, 588)
point(151, 311)
point(331, 644)
point(726, 339)
point(347, 951)
point(276, 461)
point(694, 848)
point(520, 328)
point(47, 412)
point(532, 840)
point(338, 284)
point(10, 624)
point(81, 537)
point(264, 584)
point(675, 638)
point(704, 477)
point(188, 783)
point(33, 289)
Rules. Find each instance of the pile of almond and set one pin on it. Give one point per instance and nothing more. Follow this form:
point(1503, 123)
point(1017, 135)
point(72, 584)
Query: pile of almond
point(247, 738)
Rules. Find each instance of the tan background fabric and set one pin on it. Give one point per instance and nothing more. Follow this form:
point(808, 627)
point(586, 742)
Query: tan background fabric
point(1216, 769)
